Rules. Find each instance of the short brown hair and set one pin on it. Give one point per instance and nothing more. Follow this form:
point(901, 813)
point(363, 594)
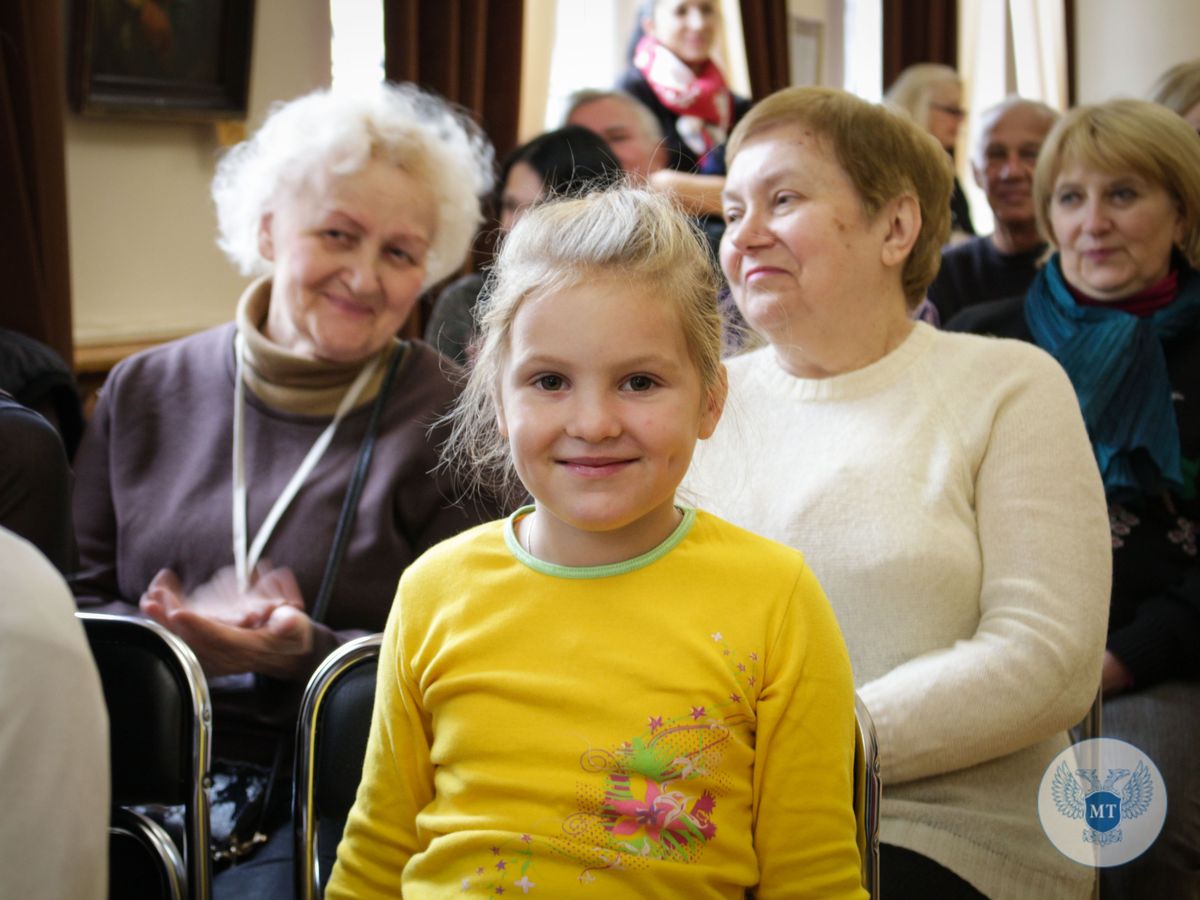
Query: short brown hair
point(1125, 136)
point(883, 153)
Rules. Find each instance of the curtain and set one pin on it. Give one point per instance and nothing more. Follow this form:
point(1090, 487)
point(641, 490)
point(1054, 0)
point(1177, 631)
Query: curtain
point(468, 51)
point(729, 52)
point(1010, 47)
point(1039, 31)
point(917, 31)
point(537, 58)
point(33, 189)
point(765, 27)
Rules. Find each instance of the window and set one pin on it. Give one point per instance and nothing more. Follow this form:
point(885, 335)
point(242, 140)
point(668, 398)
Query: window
point(863, 52)
point(590, 44)
point(357, 42)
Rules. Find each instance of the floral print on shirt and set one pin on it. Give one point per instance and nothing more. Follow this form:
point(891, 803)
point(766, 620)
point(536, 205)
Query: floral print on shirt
point(658, 799)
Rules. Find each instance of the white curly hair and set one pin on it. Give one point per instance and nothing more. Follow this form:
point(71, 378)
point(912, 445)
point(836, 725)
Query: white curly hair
point(327, 132)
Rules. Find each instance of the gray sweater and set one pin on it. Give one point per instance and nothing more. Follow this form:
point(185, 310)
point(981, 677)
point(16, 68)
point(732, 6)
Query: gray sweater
point(154, 489)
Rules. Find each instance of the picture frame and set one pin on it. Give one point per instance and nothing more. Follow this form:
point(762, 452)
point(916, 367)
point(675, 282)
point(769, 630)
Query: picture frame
point(162, 59)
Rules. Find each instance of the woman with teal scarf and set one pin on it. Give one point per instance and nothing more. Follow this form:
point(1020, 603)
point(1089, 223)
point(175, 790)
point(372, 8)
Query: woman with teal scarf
point(1117, 193)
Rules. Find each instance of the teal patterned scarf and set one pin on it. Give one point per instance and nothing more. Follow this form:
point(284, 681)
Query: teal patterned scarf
point(1116, 363)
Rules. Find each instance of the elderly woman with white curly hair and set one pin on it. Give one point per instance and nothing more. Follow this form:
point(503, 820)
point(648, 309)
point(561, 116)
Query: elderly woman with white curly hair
point(259, 487)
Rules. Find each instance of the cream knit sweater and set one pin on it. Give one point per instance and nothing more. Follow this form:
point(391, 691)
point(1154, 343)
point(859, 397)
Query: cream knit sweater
point(947, 498)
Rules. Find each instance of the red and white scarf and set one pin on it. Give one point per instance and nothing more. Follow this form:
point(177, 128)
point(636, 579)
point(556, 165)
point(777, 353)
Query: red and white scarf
point(700, 99)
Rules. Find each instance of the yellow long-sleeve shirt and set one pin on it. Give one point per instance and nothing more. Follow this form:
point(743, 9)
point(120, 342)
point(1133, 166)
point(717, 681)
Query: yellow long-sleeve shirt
point(677, 725)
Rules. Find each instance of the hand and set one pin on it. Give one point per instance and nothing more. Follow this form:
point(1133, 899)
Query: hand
point(221, 598)
point(278, 647)
point(1115, 677)
point(264, 629)
point(699, 195)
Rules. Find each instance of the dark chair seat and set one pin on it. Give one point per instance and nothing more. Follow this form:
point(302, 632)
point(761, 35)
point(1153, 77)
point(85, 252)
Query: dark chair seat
point(143, 861)
point(160, 723)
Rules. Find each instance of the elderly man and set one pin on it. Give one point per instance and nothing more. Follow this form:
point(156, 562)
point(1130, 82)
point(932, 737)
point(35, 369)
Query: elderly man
point(629, 128)
point(635, 136)
point(1004, 263)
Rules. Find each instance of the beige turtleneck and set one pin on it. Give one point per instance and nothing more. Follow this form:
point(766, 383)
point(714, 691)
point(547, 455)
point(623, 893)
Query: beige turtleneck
point(292, 383)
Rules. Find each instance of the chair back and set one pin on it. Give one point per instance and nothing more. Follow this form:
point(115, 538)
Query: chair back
point(331, 743)
point(868, 790)
point(160, 727)
point(1092, 725)
point(143, 861)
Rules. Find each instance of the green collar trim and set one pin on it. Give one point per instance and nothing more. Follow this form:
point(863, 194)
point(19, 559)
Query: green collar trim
point(608, 569)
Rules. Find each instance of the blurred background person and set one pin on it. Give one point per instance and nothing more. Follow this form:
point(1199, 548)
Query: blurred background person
point(1179, 91)
point(627, 126)
point(932, 94)
point(35, 483)
point(1117, 193)
point(54, 766)
point(38, 378)
point(563, 162)
point(636, 138)
point(348, 205)
point(674, 74)
point(1003, 263)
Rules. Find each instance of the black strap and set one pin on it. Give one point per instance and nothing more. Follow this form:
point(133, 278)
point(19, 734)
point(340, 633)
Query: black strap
point(345, 524)
point(236, 848)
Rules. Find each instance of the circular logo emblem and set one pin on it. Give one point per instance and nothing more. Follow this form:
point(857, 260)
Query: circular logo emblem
point(1102, 802)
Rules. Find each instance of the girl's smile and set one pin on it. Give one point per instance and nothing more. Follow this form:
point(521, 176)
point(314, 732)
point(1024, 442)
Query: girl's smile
point(602, 406)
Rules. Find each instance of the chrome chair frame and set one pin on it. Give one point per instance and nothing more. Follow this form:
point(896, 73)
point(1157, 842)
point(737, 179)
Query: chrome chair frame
point(148, 833)
point(868, 791)
point(304, 820)
point(1089, 727)
point(186, 670)
point(1092, 725)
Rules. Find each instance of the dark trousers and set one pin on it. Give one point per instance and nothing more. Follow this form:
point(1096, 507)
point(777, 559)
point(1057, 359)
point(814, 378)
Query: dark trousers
point(905, 874)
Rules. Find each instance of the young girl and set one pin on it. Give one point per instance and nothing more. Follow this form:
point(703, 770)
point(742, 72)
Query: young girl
point(606, 694)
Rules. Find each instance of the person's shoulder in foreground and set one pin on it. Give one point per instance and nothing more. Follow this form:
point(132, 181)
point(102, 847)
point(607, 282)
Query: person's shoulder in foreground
point(54, 769)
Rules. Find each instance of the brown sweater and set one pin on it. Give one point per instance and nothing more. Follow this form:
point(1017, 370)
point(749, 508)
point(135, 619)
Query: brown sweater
point(154, 490)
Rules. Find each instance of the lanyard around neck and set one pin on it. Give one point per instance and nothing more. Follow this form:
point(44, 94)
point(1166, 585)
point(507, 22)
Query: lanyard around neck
point(245, 560)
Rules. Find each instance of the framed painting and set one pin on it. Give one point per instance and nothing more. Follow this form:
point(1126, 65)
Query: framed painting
point(176, 59)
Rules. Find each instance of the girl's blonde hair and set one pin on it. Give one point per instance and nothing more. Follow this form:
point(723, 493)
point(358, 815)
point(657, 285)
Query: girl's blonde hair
point(624, 233)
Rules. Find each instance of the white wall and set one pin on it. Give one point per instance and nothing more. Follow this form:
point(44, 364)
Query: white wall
point(829, 13)
point(144, 262)
point(1122, 46)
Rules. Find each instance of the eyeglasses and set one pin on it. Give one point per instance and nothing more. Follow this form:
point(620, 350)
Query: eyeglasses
point(957, 111)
